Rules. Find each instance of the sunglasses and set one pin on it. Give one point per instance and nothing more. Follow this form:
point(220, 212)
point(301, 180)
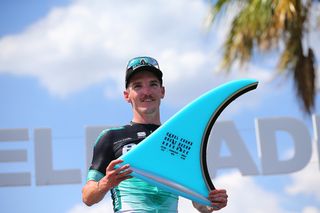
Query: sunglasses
point(142, 61)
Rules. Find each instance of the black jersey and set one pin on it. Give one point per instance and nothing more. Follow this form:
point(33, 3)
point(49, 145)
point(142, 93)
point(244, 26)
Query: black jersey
point(132, 194)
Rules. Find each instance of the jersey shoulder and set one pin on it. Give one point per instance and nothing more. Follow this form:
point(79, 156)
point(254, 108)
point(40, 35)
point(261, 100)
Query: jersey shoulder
point(114, 133)
point(107, 134)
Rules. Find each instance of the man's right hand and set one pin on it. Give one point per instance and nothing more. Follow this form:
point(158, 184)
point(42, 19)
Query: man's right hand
point(114, 176)
point(93, 192)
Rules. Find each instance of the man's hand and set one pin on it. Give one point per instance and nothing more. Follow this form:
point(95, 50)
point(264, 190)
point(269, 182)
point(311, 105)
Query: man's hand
point(114, 176)
point(218, 199)
point(93, 192)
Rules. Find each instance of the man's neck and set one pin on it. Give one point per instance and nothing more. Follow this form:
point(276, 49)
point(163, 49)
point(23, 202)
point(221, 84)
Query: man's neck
point(146, 119)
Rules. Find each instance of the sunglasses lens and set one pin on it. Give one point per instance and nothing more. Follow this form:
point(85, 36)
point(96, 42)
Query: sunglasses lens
point(142, 61)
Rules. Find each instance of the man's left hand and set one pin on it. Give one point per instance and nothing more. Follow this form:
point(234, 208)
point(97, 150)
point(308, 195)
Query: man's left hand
point(218, 198)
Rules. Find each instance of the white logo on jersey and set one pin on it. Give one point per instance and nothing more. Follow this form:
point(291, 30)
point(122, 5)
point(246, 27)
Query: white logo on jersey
point(141, 134)
point(127, 148)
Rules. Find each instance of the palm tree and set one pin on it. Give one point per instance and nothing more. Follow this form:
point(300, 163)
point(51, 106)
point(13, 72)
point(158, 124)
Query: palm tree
point(266, 25)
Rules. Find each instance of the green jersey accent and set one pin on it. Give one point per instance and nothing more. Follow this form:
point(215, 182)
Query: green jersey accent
point(94, 175)
point(135, 195)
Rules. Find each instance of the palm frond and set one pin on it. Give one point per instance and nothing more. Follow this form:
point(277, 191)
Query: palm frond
point(265, 24)
point(304, 75)
point(246, 30)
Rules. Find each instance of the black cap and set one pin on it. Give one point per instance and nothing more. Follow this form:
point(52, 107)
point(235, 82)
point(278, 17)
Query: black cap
point(142, 63)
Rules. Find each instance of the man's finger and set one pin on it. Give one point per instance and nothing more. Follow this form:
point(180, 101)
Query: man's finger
point(113, 164)
point(125, 172)
point(122, 169)
point(219, 200)
point(215, 194)
point(214, 197)
point(218, 191)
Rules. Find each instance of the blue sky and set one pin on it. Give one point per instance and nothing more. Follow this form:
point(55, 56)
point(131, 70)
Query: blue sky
point(62, 67)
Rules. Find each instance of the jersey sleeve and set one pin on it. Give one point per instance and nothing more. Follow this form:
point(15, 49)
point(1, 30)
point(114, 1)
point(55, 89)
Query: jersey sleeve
point(102, 155)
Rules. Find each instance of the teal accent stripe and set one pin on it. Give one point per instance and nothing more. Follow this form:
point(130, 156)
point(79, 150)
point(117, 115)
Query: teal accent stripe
point(105, 132)
point(94, 175)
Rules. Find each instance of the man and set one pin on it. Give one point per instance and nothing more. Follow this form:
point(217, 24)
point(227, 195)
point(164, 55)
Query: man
point(144, 91)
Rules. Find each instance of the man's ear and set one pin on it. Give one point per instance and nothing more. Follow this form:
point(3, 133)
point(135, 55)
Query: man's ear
point(163, 91)
point(126, 96)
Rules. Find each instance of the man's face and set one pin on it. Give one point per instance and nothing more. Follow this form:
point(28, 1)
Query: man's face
point(144, 92)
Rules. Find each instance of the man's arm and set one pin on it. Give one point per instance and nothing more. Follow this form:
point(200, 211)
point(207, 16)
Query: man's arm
point(91, 193)
point(218, 198)
point(94, 191)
